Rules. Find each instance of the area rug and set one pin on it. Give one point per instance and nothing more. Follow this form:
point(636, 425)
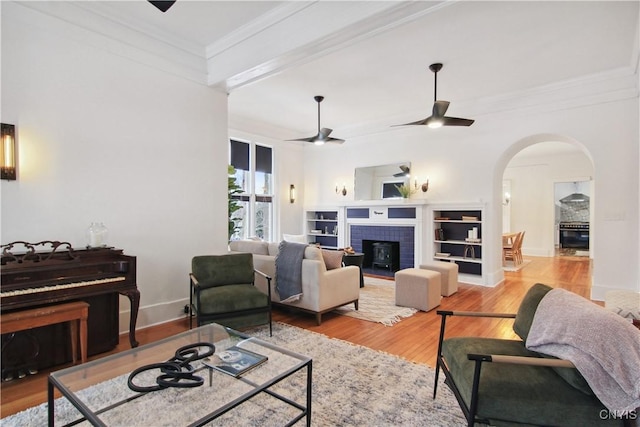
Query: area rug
point(377, 303)
point(352, 386)
point(511, 267)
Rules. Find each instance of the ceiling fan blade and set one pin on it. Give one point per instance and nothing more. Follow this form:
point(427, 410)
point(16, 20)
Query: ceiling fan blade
point(419, 122)
point(309, 139)
point(440, 108)
point(335, 140)
point(455, 121)
point(162, 5)
point(325, 132)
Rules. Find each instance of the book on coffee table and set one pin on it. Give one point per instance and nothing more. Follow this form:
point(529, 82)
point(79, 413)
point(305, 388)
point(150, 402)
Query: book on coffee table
point(234, 361)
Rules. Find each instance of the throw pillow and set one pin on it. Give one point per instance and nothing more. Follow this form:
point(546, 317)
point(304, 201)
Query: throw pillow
point(332, 259)
point(313, 252)
point(294, 238)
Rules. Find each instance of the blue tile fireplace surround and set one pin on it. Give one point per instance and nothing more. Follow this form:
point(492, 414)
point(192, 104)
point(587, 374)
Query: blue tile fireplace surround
point(363, 235)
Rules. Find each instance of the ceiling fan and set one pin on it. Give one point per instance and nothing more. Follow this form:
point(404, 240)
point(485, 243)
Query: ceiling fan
point(438, 118)
point(405, 171)
point(323, 133)
point(163, 5)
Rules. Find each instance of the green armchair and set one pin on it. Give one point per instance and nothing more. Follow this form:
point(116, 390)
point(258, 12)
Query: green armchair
point(222, 290)
point(501, 382)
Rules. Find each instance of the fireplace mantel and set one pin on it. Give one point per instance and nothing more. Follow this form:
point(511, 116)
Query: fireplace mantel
point(385, 202)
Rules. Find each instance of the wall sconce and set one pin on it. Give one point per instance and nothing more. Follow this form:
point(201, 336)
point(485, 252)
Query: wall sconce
point(506, 199)
point(343, 191)
point(292, 193)
point(424, 186)
point(8, 161)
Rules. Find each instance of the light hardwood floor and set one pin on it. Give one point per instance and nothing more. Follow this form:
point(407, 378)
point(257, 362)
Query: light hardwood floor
point(414, 338)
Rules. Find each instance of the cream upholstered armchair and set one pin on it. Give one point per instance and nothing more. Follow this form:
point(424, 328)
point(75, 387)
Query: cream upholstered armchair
point(323, 288)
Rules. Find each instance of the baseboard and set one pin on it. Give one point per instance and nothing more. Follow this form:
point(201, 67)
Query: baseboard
point(152, 315)
point(538, 252)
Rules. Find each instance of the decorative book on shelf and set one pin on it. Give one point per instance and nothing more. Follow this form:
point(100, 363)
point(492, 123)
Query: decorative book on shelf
point(235, 361)
point(439, 234)
point(469, 218)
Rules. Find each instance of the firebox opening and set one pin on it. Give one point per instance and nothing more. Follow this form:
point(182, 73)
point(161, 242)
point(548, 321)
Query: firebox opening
point(381, 255)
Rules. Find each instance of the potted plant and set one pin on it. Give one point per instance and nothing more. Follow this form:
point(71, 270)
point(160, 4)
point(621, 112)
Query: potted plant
point(234, 206)
point(405, 190)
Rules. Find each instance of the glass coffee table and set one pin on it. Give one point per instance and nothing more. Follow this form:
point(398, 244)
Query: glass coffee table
point(103, 392)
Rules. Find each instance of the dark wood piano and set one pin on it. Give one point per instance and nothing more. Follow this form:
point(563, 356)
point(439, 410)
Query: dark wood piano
point(50, 272)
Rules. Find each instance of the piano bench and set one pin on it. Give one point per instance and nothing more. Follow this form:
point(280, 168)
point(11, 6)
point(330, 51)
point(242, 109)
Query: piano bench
point(75, 313)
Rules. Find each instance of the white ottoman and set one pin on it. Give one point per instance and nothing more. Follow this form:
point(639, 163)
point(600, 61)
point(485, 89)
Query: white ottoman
point(449, 272)
point(418, 288)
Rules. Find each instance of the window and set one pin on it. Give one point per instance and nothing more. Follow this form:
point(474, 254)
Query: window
point(254, 175)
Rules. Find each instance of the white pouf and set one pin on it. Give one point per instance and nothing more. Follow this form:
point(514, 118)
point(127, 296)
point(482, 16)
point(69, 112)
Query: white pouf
point(449, 272)
point(417, 288)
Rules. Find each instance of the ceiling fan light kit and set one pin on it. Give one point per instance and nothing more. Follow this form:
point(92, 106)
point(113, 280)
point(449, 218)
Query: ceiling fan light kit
point(438, 118)
point(323, 133)
point(434, 124)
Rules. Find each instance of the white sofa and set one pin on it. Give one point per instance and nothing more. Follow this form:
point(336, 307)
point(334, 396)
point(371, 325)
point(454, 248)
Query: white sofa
point(322, 290)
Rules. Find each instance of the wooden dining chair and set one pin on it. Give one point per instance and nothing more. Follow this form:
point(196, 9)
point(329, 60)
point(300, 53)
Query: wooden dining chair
point(513, 251)
point(507, 244)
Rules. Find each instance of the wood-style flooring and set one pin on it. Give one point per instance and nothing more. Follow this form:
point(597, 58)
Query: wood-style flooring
point(414, 338)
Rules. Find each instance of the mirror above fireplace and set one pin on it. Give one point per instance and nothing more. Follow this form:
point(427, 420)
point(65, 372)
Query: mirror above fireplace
point(378, 182)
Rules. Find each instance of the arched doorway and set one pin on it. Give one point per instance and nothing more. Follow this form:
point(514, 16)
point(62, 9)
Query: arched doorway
point(529, 173)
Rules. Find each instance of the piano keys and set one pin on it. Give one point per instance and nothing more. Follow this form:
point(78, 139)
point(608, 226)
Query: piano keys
point(50, 272)
point(27, 291)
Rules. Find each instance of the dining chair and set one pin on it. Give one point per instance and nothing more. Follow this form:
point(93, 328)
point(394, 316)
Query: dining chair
point(513, 251)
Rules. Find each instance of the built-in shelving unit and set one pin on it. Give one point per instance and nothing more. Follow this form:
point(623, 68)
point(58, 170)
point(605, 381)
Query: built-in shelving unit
point(458, 238)
point(323, 228)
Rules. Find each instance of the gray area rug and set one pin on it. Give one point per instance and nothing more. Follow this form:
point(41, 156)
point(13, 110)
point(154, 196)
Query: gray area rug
point(352, 386)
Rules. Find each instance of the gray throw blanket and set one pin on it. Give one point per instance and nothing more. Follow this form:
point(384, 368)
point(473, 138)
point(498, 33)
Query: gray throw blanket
point(603, 346)
point(289, 270)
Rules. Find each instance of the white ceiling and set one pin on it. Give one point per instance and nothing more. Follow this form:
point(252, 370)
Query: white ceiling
point(370, 59)
point(488, 49)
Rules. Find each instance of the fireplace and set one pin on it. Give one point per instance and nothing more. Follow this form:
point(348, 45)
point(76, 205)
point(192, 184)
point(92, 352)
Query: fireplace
point(398, 222)
point(384, 255)
point(401, 239)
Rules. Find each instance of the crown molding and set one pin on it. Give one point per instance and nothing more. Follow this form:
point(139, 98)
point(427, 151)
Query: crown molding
point(98, 28)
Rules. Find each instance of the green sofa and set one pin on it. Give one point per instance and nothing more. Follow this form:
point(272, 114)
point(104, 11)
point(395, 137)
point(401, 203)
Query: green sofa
point(501, 382)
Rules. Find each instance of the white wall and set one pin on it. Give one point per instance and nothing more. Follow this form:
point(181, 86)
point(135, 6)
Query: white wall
point(532, 196)
point(467, 165)
point(104, 138)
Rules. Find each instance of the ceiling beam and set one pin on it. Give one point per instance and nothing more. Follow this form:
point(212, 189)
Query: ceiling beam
point(298, 33)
